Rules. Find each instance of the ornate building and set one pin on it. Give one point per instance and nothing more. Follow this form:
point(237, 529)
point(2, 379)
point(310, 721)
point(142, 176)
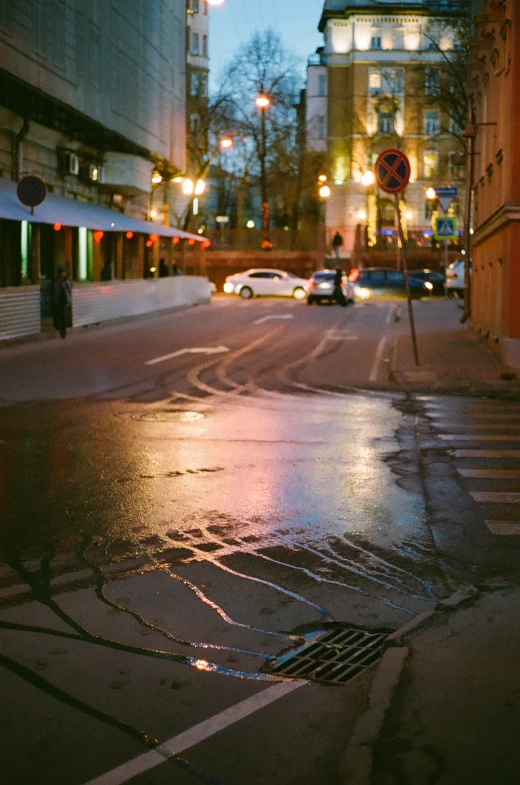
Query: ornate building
point(380, 81)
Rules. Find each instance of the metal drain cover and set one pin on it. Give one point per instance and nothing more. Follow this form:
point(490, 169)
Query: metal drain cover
point(334, 658)
point(169, 415)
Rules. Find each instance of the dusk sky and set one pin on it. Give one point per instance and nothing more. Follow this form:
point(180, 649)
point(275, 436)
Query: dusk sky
point(234, 22)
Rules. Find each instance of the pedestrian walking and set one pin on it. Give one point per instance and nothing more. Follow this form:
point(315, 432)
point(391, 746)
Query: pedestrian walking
point(164, 270)
point(338, 288)
point(61, 299)
point(337, 242)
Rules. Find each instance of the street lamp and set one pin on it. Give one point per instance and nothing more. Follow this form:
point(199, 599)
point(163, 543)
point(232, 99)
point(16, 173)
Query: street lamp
point(324, 192)
point(263, 101)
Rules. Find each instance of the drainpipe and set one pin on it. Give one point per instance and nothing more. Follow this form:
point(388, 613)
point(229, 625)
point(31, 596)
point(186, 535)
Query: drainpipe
point(17, 150)
point(470, 134)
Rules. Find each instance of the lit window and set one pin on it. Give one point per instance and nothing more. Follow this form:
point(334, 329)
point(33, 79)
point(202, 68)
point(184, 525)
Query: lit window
point(430, 165)
point(195, 43)
point(375, 42)
point(431, 123)
point(374, 81)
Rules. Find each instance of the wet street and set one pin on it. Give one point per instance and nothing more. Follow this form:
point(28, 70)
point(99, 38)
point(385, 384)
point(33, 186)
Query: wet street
point(189, 501)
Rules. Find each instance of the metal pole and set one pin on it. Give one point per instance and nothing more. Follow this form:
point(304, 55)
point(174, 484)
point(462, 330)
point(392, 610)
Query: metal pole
point(263, 184)
point(470, 134)
point(401, 256)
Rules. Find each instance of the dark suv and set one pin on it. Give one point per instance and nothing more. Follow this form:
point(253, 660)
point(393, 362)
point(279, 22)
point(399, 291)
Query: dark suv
point(376, 281)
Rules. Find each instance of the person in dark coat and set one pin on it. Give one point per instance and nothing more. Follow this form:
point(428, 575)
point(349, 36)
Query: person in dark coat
point(61, 299)
point(338, 289)
point(163, 268)
point(337, 242)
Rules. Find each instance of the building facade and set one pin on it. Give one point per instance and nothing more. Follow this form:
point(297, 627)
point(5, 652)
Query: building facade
point(378, 83)
point(495, 88)
point(92, 102)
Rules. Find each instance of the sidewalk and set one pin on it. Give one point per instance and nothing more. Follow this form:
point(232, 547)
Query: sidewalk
point(445, 703)
point(452, 357)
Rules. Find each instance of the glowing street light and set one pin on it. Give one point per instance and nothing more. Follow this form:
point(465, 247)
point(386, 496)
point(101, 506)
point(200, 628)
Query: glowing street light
point(156, 178)
point(368, 178)
point(263, 101)
point(430, 193)
point(215, 2)
point(324, 191)
point(200, 185)
point(322, 178)
point(226, 143)
point(188, 187)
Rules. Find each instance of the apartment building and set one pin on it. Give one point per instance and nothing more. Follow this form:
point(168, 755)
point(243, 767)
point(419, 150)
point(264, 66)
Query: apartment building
point(377, 83)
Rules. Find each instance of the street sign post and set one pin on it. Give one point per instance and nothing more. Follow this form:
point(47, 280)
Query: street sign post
point(445, 228)
point(445, 196)
point(392, 173)
point(31, 191)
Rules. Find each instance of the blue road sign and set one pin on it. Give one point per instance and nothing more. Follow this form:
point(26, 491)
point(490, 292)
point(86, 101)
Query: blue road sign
point(392, 171)
point(31, 191)
point(445, 228)
point(452, 191)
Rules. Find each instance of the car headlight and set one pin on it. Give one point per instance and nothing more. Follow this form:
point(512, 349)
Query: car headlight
point(229, 287)
point(428, 285)
point(362, 292)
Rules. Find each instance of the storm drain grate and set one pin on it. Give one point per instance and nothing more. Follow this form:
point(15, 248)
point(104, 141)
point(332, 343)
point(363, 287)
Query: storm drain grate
point(335, 658)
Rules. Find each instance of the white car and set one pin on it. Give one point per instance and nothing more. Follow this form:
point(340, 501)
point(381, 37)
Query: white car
point(455, 279)
point(266, 281)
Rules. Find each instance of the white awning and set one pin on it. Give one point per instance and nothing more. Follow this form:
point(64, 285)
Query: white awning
point(73, 212)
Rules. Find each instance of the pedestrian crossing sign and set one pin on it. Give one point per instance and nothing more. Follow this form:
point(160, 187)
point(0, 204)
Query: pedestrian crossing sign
point(445, 228)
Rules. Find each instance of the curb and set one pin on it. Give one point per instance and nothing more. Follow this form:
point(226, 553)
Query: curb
point(356, 764)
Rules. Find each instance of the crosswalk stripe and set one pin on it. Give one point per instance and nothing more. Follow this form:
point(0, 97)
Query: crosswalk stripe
point(495, 497)
point(486, 453)
point(504, 527)
point(475, 416)
point(477, 437)
point(484, 474)
point(500, 426)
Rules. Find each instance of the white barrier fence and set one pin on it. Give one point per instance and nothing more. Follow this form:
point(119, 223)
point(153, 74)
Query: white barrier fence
point(100, 302)
point(19, 311)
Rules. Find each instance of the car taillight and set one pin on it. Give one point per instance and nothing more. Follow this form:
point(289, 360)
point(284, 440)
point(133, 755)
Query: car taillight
point(312, 284)
point(452, 275)
point(354, 275)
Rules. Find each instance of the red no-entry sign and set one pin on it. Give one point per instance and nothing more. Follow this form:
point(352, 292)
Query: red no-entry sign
point(392, 171)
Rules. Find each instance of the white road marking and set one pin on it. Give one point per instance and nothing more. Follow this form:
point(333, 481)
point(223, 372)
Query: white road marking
point(490, 474)
point(495, 497)
point(340, 335)
point(459, 437)
point(194, 350)
point(504, 528)
point(274, 316)
point(196, 734)
point(377, 361)
point(477, 426)
point(486, 453)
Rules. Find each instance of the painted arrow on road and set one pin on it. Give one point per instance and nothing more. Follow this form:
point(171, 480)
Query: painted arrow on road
point(194, 350)
point(274, 316)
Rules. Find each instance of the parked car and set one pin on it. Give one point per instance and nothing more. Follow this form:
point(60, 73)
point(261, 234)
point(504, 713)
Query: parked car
point(430, 276)
point(320, 287)
point(377, 281)
point(255, 282)
point(455, 279)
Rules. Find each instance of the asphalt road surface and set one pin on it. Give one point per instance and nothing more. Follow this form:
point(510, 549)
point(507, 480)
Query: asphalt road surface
point(189, 500)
